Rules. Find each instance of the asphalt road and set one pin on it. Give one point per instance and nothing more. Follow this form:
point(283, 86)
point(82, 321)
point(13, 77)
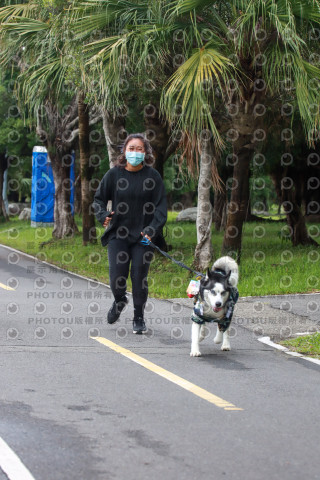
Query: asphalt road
point(73, 408)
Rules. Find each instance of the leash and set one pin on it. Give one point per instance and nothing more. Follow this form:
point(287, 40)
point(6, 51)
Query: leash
point(146, 241)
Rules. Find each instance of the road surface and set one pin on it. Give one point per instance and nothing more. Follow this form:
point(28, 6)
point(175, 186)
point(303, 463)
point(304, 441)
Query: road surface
point(83, 400)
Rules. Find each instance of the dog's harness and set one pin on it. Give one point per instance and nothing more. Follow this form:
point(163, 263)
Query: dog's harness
point(198, 316)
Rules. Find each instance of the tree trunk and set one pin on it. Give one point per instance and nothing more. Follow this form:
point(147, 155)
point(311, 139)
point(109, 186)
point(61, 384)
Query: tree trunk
point(77, 195)
point(244, 124)
point(115, 135)
point(88, 222)
point(204, 252)
point(3, 166)
point(295, 219)
point(58, 133)
point(219, 209)
point(64, 224)
point(285, 189)
point(221, 198)
point(157, 134)
point(275, 176)
point(237, 208)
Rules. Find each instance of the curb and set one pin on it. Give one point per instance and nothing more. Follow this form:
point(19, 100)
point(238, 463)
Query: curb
point(280, 295)
point(56, 266)
point(129, 293)
point(267, 341)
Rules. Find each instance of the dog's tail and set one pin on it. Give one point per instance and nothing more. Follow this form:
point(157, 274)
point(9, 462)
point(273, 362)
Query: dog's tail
point(228, 264)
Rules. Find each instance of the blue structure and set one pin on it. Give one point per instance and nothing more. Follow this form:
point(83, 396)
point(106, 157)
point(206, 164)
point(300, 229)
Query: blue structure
point(42, 190)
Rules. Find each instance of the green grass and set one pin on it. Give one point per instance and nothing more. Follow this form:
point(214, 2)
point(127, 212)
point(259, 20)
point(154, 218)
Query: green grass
point(273, 213)
point(307, 345)
point(269, 264)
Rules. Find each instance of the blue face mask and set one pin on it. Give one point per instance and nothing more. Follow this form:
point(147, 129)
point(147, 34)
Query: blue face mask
point(134, 158)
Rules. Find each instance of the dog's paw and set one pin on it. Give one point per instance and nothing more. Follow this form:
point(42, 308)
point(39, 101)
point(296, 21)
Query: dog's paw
point(195, 353)
point(226, 348)
point(218, 338)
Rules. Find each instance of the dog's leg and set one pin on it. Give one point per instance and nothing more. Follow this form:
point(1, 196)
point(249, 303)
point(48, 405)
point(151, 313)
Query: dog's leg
point(202, 333)
point(226, 344)
point(219, 336)
point(195, 334)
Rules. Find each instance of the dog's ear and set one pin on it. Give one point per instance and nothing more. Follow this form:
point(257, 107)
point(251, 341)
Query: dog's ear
point(207, 274)
point(228, 277)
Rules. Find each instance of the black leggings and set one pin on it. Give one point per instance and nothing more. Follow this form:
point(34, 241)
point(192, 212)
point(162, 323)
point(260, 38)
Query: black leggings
point(120, 254)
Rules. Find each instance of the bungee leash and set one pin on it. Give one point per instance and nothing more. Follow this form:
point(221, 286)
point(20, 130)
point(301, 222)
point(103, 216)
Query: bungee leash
point(146, 241)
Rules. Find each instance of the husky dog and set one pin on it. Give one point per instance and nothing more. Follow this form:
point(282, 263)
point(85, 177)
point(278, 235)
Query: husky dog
point(214, 303)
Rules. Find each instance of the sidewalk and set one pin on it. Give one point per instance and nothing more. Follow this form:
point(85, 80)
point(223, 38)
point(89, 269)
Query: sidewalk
point(276, 316)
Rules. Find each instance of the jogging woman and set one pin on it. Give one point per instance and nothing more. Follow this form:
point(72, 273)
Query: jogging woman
point(138, 209)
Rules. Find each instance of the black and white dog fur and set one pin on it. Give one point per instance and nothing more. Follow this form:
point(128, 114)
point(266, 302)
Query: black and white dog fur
point(214, 293)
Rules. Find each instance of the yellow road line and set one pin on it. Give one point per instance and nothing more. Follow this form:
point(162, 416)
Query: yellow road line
point(191, 387)
point(2, 285)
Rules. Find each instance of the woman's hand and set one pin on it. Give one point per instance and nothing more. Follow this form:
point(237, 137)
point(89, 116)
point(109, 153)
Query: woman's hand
point(107, 220)
point(147, 236)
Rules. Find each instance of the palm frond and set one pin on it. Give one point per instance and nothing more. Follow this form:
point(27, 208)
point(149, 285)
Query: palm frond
point(188, 90)
point(24, 26)
point(306, 10)
point(181, 7)
point(94, 16)
point(260, 18)
point(20, 10)
point(42, 82)
point(308, 95)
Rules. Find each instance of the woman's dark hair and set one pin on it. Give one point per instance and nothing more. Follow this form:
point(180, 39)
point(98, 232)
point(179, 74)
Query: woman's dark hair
point(148, 158)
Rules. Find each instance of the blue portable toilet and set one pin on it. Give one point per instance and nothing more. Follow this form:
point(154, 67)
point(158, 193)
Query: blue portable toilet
point(43, 190)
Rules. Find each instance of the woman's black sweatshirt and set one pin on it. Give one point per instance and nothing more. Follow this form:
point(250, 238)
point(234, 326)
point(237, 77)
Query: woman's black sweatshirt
point(138, 200)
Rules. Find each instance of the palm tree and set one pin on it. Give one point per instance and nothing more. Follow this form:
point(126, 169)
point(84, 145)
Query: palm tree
point(113, 20)
point(117, 87)
point(236, 58)
point(86, 172)
point(273, 51)
point(268, 43)
point(39, 40)
point(88, 20)
point(294, 178)
point(26, 36)
point(149, 36)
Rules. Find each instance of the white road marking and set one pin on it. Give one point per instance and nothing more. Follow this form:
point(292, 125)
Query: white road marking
point(267, 341)
point(11, 464)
